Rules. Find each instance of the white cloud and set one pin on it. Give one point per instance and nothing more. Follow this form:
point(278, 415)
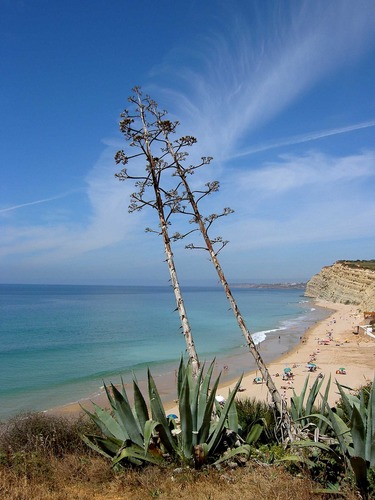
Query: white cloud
point(312, 198)
point(247, 75)
point(108, 223)
point(314, 168)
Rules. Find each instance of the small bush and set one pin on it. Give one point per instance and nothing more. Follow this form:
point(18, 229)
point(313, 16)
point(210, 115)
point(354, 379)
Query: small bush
point(251, 411)
point(41, 433)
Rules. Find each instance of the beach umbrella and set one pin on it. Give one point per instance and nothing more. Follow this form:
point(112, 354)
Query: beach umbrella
point(172, 415)
point(342, 369)
point(311, 365)
point(287, 370)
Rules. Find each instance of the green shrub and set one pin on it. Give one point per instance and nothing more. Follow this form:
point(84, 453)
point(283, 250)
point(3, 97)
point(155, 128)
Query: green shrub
point(251, 412)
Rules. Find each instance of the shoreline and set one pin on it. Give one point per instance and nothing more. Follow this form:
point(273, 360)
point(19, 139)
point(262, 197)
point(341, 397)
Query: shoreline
point(354, 352)
point(347, 349)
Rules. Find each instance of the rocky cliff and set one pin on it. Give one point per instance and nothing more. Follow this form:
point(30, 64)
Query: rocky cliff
point(346, 284)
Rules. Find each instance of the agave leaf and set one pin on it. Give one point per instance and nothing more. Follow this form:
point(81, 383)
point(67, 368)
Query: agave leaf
point(107, 424)
point(244, 449)
point(158, 413)
point(294, 408)
point(341, 430)
point(186, 419)
point(109, 396)
point(205, 429)
point(189, 376)
point(204, 395)
point(316, 415)
point(168, 442)
point(302, 397)
point(136, 453)
point(297, 402)
point(140, 405)
point(180, 375)
point(103, 446)
point(194, 387)
point(215, 437)
point(314, 391)
point(311, 444)
point(345, 399)
point(370, 433)
point(149, 428)
point(358, 428)
point(323, 425)
point(123, 391)
point(255, 432)
point(125, 415)
point(233, 418)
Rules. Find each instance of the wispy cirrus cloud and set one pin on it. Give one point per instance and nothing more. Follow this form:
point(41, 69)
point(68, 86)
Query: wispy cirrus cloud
point(106, 225)
point(259, 64)
point(233, 81)
point(301, 199)
point(291, 172)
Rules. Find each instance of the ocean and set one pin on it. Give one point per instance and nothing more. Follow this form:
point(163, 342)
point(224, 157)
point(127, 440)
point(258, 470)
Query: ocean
point(58, 343)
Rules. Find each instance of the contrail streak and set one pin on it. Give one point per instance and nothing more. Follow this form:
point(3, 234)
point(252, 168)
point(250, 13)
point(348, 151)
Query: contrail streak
point(298, 139)
point(45, 200)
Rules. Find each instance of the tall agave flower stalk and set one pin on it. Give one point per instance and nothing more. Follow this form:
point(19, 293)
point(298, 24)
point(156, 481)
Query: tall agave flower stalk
point(203, 224)
point(142, 138)
point(182, 199)
point(285, 422)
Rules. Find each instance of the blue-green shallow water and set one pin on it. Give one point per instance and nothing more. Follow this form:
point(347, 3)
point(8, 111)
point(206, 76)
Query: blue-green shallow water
point(58, 343)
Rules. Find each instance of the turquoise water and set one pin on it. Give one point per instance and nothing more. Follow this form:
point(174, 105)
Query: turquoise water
point(58, 343)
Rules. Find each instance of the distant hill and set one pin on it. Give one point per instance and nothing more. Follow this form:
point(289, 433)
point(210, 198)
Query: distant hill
point(299, 286)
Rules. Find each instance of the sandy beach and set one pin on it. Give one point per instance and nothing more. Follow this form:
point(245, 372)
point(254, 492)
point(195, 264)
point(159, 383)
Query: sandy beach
point(345, 349)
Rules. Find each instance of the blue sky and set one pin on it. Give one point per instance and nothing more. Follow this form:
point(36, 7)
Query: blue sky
point(280, 93)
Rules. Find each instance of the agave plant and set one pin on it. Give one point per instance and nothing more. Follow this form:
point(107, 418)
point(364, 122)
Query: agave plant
point(302, 412)
point(126, 434)
point(144, 433)
point(357, 440)
point(353, 441)
point(201, 436)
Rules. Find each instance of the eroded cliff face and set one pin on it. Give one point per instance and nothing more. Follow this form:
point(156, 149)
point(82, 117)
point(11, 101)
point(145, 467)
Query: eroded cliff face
point(344, 284)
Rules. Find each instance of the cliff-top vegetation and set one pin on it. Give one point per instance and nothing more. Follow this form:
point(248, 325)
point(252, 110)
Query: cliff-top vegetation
point(364, 264)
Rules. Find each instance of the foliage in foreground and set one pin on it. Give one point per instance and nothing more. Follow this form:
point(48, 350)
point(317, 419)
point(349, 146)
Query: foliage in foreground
point(256, 418)
point(342, 441)
point(43, 456)
point(137, 436)
point(76, 476)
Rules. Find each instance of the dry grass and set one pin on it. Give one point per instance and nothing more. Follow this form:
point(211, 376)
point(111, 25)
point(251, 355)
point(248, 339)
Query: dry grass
point(74, 477)
point(43, 458)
